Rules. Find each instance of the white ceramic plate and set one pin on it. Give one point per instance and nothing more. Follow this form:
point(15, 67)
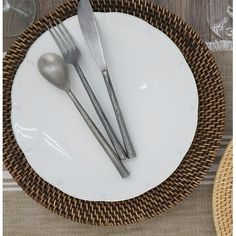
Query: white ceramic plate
point(156, 91)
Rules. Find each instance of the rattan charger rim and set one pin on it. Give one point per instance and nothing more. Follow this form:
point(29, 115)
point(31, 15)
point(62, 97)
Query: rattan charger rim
point(196, 162)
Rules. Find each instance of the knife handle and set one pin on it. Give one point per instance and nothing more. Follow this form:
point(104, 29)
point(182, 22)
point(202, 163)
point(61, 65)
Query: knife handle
point(111, 134)
point(120, 119)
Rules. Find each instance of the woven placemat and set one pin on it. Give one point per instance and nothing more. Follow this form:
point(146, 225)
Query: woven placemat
point(223, 193)
point(194, 165)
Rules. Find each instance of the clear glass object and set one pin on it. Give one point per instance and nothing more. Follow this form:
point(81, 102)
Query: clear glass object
point(220, 18)
point(17, 16)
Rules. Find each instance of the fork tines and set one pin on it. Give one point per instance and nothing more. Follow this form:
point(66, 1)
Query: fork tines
point(62, 36)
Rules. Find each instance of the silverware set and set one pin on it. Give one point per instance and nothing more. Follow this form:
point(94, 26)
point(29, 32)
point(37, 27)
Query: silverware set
point(54, 69)
point(90, 31)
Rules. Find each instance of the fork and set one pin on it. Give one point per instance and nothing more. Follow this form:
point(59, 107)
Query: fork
point(71, 55)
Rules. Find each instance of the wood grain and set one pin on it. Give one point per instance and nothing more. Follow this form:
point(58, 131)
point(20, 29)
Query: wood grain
point(189, 11)
point(194, 12)
point(43, 7)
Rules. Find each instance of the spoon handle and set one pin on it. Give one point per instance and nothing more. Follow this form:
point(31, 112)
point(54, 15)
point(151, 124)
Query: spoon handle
point(114, 158)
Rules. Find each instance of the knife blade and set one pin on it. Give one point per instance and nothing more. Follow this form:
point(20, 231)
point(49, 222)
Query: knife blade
point(91, 35)
point(90, 32)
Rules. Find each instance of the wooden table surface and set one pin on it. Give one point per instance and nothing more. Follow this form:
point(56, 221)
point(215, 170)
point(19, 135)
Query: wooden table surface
point(195, 13)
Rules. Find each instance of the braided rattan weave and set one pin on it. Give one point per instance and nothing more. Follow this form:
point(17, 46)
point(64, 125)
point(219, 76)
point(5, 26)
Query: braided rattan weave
point(194, 165)
point(222, 197)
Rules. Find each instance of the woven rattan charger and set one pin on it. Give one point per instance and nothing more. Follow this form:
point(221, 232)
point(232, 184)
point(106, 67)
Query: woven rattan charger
point(223, 193)
point(195, 163)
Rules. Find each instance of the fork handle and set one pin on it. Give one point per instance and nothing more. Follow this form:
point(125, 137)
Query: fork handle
point(119, 149)
point(113, 157)
point(120, 119)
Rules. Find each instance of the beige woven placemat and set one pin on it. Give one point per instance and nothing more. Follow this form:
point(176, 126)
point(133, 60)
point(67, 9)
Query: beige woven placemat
point(222, 194)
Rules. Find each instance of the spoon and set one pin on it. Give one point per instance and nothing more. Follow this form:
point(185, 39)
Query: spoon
point(54, 70)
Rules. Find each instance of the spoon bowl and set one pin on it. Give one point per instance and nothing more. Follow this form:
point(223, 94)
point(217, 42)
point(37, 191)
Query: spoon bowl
point(54, 69)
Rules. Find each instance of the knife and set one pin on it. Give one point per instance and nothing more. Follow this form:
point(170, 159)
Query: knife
point(90, 31)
